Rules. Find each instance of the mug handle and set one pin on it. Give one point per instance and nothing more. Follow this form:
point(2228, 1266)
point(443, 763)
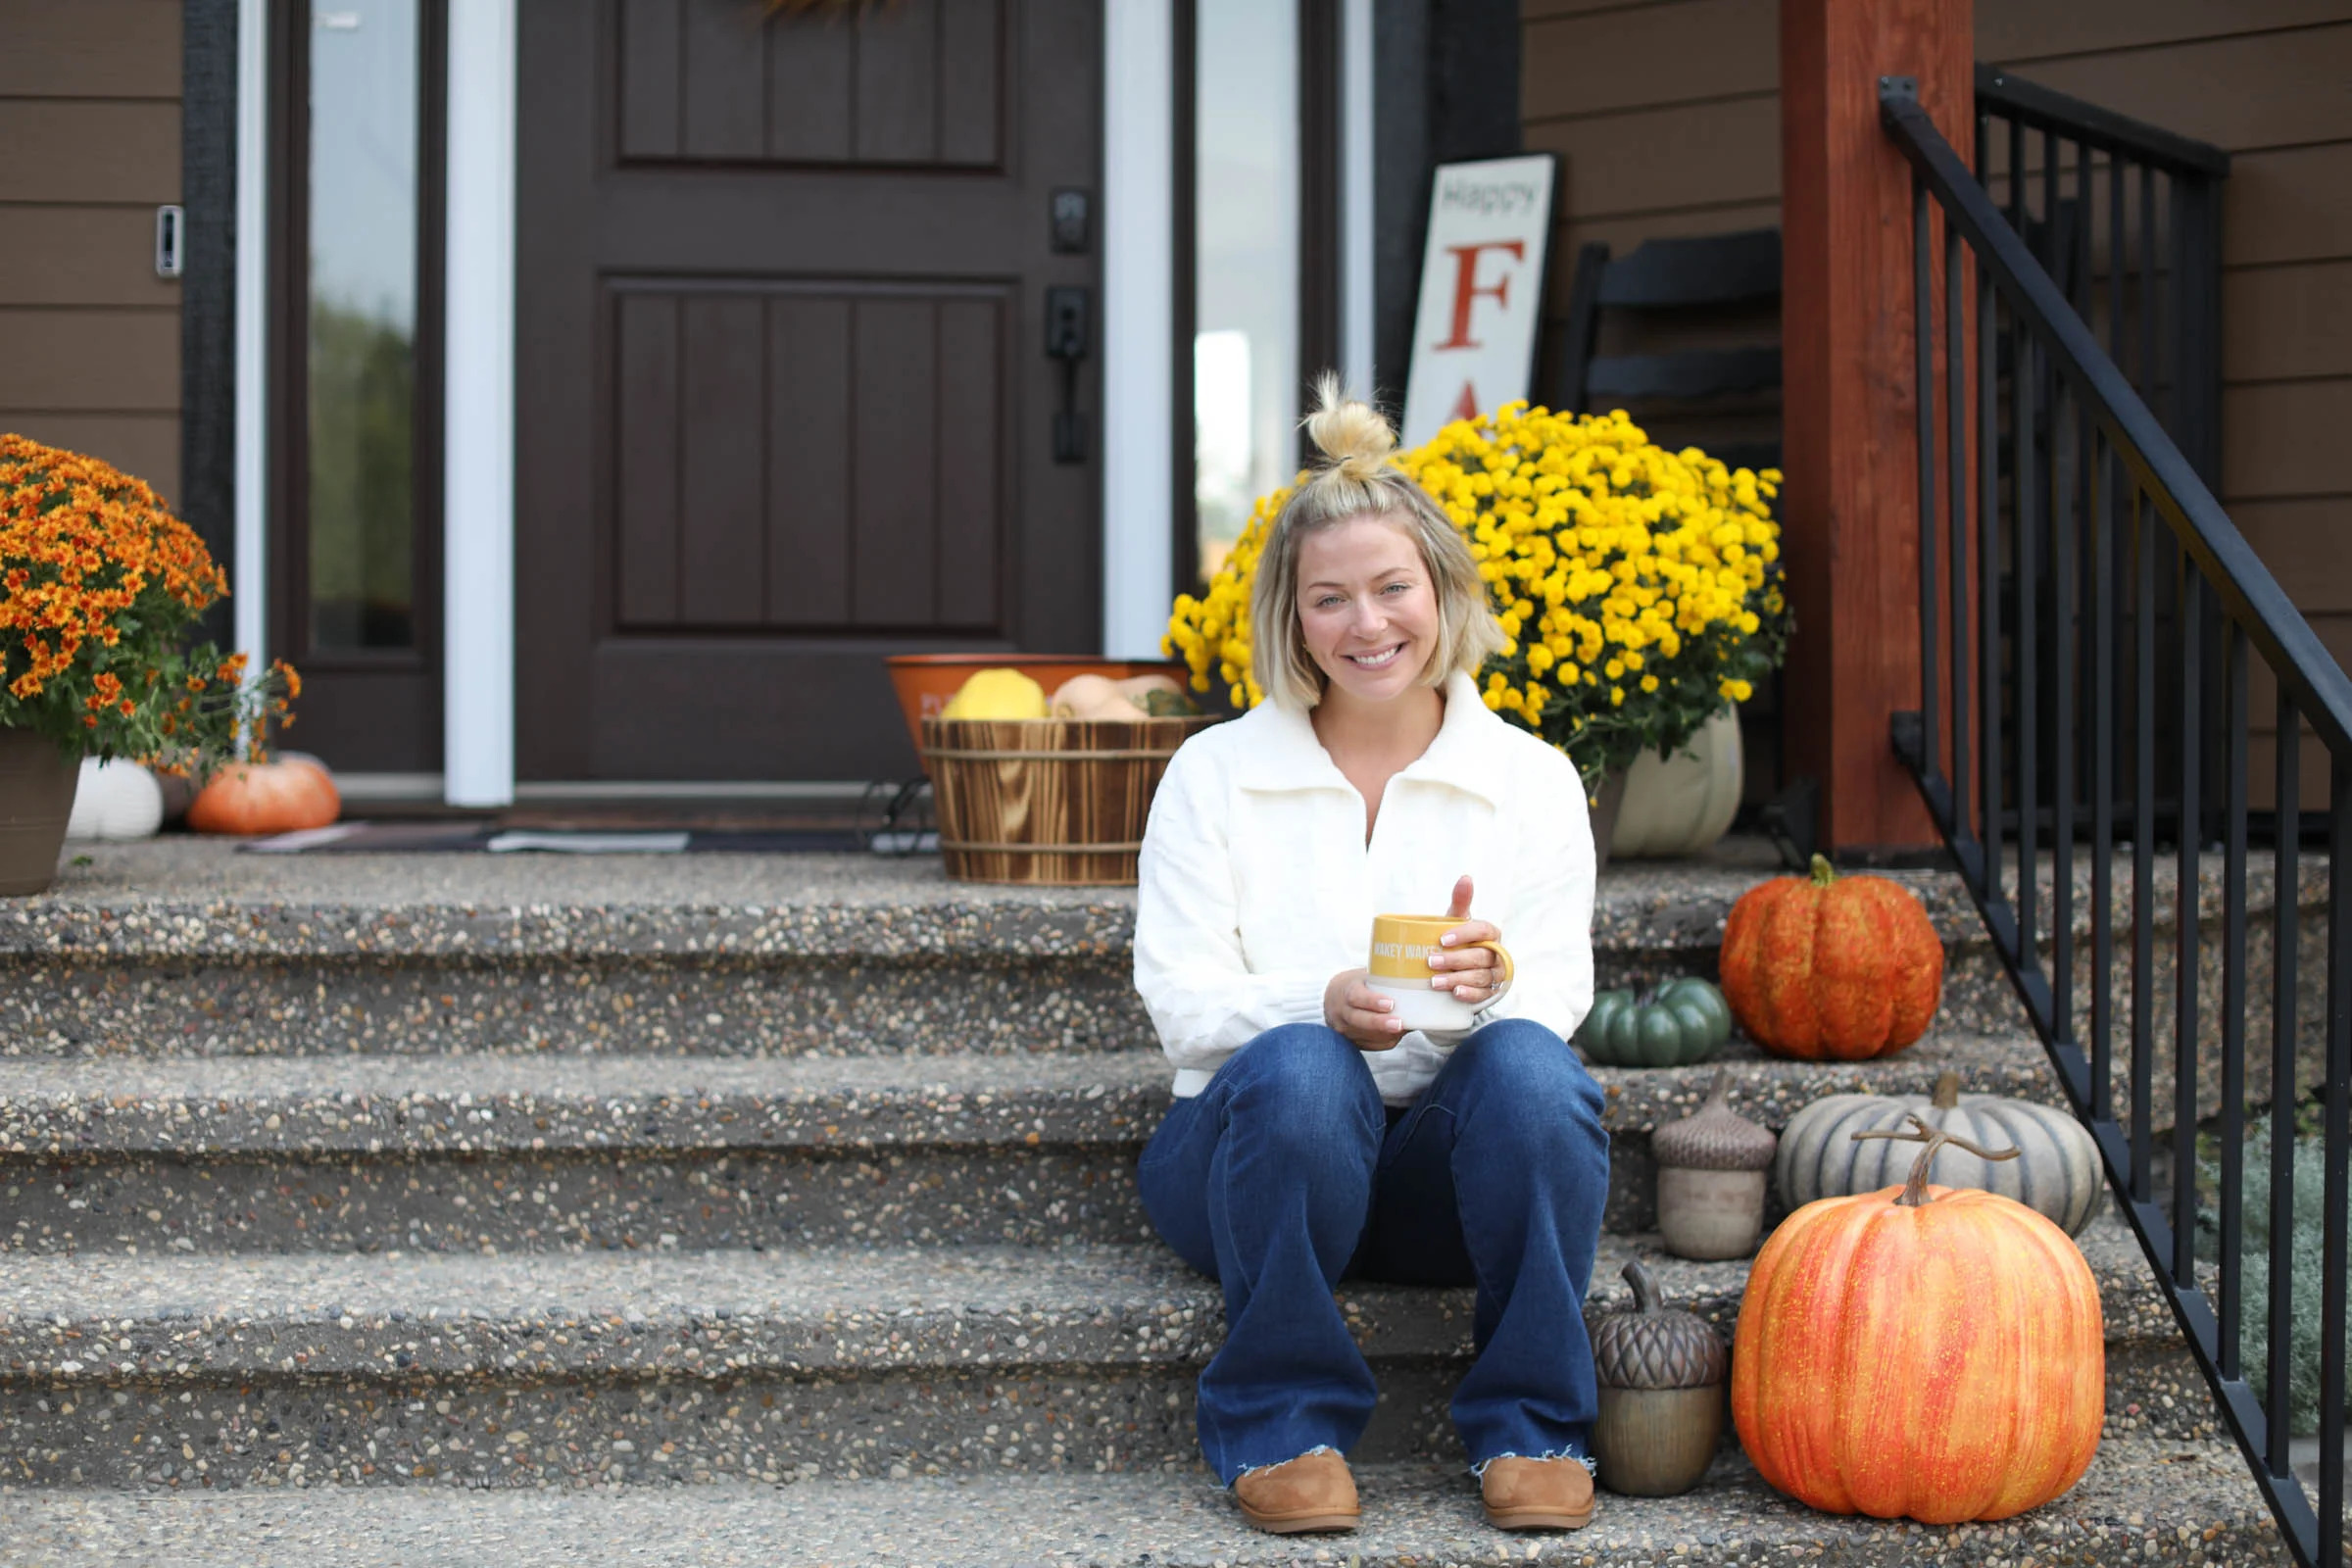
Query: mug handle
point(1504, 954)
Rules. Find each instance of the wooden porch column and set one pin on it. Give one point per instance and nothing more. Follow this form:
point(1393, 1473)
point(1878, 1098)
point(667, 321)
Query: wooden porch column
point(1851, 500)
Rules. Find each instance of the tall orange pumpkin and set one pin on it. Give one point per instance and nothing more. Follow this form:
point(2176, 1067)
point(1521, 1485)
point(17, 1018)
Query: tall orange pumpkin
point(1844, 967)
point(1920, 1351)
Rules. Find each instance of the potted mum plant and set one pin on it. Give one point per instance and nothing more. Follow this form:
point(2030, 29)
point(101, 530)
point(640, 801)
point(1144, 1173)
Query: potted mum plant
point(1641, 589)
point(99, 586)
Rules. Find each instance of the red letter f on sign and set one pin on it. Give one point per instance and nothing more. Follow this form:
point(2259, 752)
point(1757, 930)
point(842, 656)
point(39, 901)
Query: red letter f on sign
point(1466, 288)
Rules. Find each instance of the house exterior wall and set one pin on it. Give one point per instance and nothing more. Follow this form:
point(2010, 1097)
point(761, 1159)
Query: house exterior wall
point(1666, 117)
point(90, 126)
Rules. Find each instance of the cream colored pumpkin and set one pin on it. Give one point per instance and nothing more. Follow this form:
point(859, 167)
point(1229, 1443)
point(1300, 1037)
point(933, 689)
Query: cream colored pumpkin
point(1682, 804)
point(2056, 1171)
point(117, 801)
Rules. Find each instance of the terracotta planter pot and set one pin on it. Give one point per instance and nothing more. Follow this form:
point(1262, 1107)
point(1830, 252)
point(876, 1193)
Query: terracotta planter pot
point(37, 781)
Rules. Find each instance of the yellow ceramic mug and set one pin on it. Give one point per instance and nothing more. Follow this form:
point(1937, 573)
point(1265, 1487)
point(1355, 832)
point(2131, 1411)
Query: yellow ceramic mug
point(1401, 947)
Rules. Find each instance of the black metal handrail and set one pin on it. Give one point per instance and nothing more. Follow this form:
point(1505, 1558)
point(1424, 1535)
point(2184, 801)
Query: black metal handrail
point(2062, 487)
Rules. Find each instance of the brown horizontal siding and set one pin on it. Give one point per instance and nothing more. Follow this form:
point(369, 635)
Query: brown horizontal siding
point(80, 256)
point(1689, 51)
point(2304, 543)
point(2265, 89)
point(2017, 30)
point(2291, 438)
point(2262, 688)
point(89, 49)
point(83, 151)
point(145, 445)
point(2293, 205)
point(2287, 322)
point(89, 122)
point(89, 360)
point(1654, 161)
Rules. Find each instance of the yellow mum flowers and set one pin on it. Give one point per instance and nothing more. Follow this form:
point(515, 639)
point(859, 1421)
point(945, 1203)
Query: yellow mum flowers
point(1641, 587)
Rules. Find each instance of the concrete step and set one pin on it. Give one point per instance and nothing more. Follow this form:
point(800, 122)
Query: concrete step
point(666, 1366)
point(2151, 1503)
point(485, 1149)
point(187, 946)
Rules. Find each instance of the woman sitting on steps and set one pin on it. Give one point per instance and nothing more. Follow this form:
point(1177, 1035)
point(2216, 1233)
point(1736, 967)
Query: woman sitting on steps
point(1315, 1136)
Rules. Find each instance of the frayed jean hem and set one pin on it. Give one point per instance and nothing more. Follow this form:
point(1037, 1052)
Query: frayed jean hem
point(1592, 1466)
point(1320, 1448)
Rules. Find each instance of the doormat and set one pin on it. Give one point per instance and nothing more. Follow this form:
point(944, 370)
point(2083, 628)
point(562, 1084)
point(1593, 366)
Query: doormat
point(443, 838)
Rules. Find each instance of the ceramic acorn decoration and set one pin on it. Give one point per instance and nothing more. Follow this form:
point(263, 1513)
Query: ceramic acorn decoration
point(1661, 1375)
point(2056, 1171)
point(1712, 1166)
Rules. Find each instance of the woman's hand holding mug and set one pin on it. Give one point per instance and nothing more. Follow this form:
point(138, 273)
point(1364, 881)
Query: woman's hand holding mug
point(1463, 960)
point(1477, 966)
point(1365, 1018)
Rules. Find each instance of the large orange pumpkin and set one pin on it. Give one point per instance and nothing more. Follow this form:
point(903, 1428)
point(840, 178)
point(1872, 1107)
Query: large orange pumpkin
point(1922, 1351)
point(282, 797)
point(1844, 967)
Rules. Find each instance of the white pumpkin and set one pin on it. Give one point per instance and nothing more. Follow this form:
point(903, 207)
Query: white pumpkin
point(117, 801)
point(2056, 1172)
point(1682, 804)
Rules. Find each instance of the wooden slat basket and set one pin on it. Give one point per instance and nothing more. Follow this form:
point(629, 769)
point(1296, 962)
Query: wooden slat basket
point(1046, 802)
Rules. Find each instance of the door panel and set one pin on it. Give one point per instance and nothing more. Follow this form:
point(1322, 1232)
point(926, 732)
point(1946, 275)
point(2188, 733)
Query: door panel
point(878, 409)
point(783, 405)
point(914, 84)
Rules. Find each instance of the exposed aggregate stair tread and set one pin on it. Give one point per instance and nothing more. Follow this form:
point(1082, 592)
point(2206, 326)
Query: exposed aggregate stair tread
point(102, 1318)
point(176, 893)
point(2153, 1502)
point(487, 1099)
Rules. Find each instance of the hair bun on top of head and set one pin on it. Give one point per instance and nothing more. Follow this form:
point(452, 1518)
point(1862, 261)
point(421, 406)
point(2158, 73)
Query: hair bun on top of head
point(1349, 433)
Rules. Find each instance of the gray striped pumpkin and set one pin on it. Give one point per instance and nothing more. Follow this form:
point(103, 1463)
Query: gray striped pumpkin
point(2056, 1172)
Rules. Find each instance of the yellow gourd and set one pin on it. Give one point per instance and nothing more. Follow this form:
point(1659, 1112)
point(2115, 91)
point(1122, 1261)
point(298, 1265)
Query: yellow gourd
point(996, 693)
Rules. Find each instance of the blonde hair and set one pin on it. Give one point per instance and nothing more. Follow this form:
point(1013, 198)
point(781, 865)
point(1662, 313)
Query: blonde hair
point(1358, 479)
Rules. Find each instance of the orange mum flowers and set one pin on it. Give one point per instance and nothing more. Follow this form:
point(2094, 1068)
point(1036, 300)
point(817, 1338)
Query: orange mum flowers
point(99, 582)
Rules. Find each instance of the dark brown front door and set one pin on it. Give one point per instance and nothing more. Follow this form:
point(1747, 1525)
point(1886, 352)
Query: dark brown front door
point(783, 397)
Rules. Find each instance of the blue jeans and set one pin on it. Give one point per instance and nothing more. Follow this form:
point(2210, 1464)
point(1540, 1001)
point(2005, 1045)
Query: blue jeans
point(1287, 1173)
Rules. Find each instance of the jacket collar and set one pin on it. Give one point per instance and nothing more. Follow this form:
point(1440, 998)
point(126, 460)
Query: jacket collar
point(1283, 753)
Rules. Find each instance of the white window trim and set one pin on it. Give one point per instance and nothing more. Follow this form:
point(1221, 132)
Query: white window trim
point(1139, 241)
point(1355, 198)
point(248, 600)
point(477, 667)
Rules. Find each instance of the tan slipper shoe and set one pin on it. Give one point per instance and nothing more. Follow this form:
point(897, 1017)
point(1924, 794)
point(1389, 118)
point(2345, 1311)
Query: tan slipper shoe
point(1538, 1494)
point(1313, 1491)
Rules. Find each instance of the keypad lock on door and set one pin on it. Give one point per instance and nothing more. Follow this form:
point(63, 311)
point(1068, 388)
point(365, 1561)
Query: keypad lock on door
point(1065, 343)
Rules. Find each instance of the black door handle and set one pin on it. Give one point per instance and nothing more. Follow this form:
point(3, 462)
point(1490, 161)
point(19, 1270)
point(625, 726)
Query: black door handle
point(1065, 343)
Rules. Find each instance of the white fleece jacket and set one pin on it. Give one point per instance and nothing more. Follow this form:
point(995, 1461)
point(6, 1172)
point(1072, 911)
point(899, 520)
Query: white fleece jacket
point(1256, 884)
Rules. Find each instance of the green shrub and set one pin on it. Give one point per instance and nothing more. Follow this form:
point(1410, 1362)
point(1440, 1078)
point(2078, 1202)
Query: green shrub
point(2303, 1244)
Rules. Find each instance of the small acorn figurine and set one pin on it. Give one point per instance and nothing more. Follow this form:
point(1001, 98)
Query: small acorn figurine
point(1712, 1170)
point(1661, 1375)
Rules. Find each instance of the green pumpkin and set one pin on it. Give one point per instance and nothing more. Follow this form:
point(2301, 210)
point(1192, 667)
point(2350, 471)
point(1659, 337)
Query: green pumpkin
point(1681, 1023)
